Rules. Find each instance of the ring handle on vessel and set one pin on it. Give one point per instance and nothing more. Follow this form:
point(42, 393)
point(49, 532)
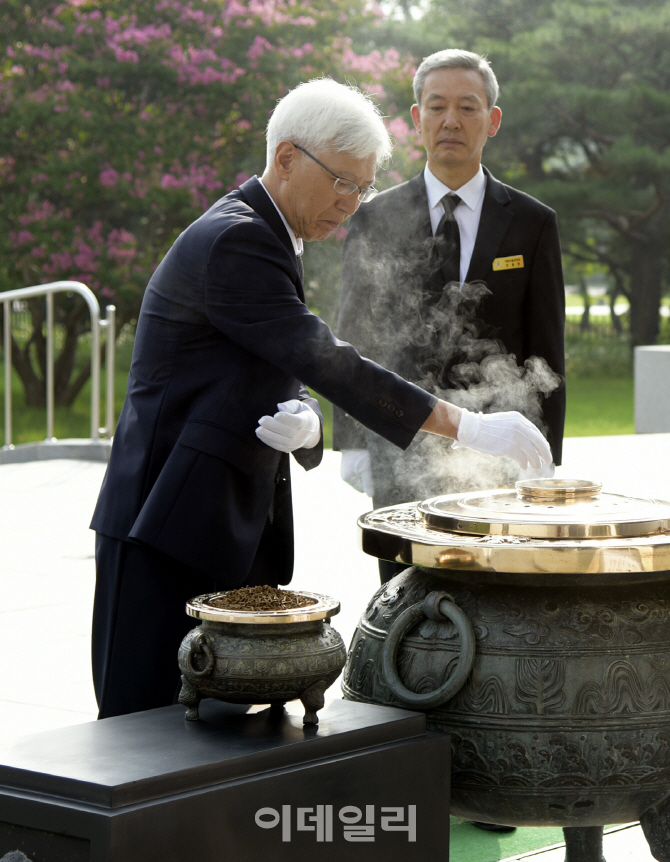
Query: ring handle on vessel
point(200, 646)
point(436, 606)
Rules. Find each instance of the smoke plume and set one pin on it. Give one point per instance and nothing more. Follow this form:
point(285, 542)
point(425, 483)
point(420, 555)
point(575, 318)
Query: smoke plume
point(432, 336)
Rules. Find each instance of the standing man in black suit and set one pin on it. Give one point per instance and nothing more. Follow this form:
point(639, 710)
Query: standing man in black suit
point(197, 496)
point(408, 253)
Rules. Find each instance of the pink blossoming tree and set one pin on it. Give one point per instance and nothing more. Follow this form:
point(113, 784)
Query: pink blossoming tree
point(122, 121)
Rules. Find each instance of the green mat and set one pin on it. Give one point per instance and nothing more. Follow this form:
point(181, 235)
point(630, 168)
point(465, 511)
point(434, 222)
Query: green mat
point(469, 844)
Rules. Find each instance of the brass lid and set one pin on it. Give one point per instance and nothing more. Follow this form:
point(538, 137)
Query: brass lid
point(547, 509)
point(323, 607)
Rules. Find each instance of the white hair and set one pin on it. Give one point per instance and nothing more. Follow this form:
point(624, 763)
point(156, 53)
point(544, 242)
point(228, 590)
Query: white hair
point(323, 115)
point(455, 58)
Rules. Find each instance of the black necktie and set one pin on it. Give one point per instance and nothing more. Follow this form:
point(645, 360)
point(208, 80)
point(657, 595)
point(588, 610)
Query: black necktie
point(301, 269)
point(449, 238)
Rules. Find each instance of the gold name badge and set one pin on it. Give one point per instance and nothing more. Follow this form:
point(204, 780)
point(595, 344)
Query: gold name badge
point(514, 262)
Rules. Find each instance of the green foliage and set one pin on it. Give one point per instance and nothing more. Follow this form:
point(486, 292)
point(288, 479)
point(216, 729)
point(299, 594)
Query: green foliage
point(586, 125)
point(597, 354)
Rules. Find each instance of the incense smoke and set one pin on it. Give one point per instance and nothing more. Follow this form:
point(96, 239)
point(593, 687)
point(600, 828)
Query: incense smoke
point(433, 337)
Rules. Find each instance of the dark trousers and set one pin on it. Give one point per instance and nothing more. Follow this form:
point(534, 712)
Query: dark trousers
point(139, 621)
point(388, 570)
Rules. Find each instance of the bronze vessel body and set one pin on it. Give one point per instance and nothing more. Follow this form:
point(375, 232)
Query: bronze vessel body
point(261, 657)
point(554, 684)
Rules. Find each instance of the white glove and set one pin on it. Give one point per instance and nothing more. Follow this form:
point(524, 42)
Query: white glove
point(295, 426)
point(546, 471)
point(356, 470)
point(509, 434)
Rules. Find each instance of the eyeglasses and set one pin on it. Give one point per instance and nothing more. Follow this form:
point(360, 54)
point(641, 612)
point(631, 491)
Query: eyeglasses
point(342, 186)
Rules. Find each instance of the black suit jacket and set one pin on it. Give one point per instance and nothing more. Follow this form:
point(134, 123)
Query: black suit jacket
point(390, 277)
point(223, 336)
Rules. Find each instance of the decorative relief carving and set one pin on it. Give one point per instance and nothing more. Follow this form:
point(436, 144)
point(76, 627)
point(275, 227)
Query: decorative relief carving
point(365, 679)
point(623, 691)
point(556, 760)
point(625, 622)
point(487, 696)
point(531, 631)
point(551, 661)
point(354, 658)
point(539, 684)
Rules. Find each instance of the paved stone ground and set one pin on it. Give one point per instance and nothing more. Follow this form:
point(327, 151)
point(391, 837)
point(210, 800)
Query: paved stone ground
point(47, 569)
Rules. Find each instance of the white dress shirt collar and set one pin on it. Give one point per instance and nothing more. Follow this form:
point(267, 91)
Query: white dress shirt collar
point(296, 240)
point(471, 193)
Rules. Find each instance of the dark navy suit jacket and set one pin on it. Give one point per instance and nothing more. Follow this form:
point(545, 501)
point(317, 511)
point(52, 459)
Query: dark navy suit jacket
point(223, 336)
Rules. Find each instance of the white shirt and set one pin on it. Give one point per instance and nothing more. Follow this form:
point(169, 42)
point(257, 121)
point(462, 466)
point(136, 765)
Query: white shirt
point(296, 240)
point(467, 213)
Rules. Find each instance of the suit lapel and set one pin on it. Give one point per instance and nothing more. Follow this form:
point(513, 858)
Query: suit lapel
point(493, 224)
point(257, 197)
point(416, 209)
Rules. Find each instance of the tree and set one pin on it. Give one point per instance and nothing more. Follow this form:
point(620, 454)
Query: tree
point(586, 125)
point(121, 121)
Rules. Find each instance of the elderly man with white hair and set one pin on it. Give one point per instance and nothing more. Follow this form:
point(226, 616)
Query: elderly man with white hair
point(197, 493)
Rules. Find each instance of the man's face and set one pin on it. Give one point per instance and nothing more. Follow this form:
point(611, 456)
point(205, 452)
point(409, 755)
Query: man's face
point(454, 120)
point(311, 205)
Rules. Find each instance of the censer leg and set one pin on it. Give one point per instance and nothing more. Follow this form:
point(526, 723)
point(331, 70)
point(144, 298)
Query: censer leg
point(655, 823)
point(313, 700)
point(189, 697)
point(583, 843)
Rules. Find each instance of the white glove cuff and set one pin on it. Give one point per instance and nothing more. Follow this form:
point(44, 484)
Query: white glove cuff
point(469, 427)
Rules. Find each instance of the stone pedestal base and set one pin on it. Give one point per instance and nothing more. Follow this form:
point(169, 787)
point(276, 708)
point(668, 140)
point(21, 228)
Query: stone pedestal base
point(652, 389)
point(368, 783)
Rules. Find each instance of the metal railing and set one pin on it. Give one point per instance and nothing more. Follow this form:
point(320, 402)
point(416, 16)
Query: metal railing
point(109, 324)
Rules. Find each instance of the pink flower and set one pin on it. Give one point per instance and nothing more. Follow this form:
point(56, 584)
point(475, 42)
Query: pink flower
point(109, 177)
point(259, 47)
point(126, 56)
point(85, 258)
point(21, 238)
point(399, 129)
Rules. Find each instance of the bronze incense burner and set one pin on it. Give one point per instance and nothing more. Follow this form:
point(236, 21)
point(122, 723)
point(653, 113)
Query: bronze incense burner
point(261, 656)
point(533, 625)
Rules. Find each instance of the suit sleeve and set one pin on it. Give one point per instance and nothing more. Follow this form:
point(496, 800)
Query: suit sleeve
point(310, 458)
point(545, 325)
point(251, 298)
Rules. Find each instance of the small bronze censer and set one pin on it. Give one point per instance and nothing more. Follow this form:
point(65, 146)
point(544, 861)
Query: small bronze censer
point(261, 656)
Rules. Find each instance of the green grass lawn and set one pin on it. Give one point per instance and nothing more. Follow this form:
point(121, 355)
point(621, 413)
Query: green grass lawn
point(29, 423)
point(599, 406)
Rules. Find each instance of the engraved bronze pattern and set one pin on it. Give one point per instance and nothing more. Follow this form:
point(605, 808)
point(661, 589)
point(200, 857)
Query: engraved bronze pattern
point(564, 719)
point(260, 664)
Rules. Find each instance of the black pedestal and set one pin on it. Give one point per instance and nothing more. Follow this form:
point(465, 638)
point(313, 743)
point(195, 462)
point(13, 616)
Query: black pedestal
point(367, 784)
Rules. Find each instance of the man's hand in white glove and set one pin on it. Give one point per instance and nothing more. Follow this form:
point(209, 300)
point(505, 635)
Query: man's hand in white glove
point(294, 426)
point(356, 470)
point(509, 434)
